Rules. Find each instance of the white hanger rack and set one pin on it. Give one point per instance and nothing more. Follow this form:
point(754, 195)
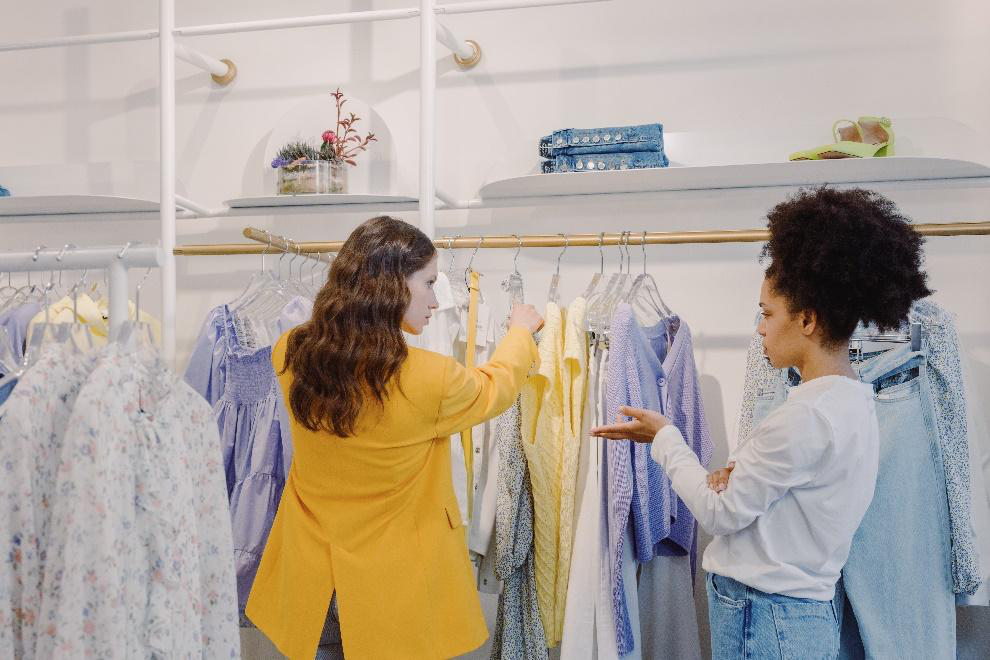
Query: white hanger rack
point(466, 54)
point(114, 259)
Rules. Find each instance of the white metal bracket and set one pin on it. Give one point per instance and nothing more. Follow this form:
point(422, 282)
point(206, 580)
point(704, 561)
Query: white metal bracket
point(223, 71)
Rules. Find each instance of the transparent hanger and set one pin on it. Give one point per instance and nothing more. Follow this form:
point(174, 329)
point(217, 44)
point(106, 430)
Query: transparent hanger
point(552, 295)
point(513, 284)
point(644, 283)
point(467, 271)
point(597, 277)
point(619, 291)
point(600, 294)
point(260, 279)
point(612, 297)
point(135, 333)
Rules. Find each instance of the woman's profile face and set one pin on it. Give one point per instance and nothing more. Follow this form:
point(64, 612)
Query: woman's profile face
point(780, 329)
point(422, 299)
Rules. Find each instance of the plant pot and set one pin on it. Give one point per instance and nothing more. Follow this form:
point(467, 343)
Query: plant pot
point(305, 177)
point(338, 178)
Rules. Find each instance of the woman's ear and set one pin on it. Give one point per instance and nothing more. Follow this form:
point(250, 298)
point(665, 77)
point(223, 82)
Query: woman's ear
point(809, 322)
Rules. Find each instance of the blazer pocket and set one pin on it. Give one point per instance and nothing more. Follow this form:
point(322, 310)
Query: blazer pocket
point(453, 515)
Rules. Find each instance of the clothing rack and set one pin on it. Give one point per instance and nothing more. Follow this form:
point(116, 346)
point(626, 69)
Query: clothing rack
point(266, 242)
point(114, 259)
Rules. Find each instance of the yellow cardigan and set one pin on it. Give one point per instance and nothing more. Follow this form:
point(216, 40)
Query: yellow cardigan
point(374, 517)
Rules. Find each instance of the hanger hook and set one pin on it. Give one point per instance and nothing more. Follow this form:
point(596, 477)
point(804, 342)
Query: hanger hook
point(481, 239)
point(567, 241)
point(127, 246)
point(450, 248)
point(267, 248)
point(515, 259)
point(601, 252)
point(643, 245)
point(67, 246)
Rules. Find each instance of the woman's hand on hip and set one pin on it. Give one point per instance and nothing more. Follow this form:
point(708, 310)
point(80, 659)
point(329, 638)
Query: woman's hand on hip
point(643, 428)
point(525, 316)
point(718, 480)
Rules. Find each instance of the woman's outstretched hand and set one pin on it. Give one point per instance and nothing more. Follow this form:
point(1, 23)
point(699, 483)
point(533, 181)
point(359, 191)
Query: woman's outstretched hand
point(643, 428)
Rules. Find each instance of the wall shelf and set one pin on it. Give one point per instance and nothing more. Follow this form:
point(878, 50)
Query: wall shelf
point(716, 177)
point(336, 203)
point(62, 208)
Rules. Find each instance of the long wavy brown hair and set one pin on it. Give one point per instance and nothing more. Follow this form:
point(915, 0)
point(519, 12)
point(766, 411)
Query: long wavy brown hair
point(352, 346)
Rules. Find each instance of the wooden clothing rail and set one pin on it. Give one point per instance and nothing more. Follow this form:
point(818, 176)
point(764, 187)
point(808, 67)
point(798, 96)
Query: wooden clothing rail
point(267, 242)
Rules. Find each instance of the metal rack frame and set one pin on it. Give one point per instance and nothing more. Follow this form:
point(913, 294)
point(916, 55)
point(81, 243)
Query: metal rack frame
point(466, 54)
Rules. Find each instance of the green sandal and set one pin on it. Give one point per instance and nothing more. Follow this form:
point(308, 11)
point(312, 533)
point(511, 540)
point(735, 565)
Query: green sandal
point(868, 137)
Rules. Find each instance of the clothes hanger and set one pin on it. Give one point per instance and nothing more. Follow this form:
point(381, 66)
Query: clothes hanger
point(645, 283)
point(258, 281)
point(513, 284)
point(600, 297)
point(137, 333)
point(553, 296)
point(467, 271)
point(614, 297)
point(597, 277)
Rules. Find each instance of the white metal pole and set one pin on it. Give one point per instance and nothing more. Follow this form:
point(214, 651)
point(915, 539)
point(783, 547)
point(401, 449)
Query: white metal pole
point(117, 309)
point(97, 258)
point(166, 72)
point(202, 60)
point(82, 40)
point(496, 5)
point(305, 21)
point(427, 116)
point(457, 46)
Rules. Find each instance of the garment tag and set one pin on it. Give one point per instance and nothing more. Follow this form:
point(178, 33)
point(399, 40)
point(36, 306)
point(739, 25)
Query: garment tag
point(483, 326)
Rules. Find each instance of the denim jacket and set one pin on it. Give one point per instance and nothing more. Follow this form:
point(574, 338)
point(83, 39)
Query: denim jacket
point(637, 160)
point(607, 140)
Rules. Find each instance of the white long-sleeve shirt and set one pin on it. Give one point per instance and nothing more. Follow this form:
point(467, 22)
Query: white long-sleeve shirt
point(802, 482)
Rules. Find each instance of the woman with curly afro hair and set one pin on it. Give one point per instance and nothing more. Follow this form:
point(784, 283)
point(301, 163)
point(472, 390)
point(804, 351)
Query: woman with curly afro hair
point(804, 478)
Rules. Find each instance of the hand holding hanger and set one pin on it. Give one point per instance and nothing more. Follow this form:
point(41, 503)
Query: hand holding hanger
point(525, 316)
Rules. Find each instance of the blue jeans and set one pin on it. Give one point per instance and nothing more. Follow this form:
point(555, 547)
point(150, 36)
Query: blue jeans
point(898, 578)
point(748, 623)
point(606, 140)
point(637, 160)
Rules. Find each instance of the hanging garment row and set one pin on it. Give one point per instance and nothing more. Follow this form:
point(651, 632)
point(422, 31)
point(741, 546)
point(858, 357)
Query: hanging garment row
point(112, 502)
point(586, 544)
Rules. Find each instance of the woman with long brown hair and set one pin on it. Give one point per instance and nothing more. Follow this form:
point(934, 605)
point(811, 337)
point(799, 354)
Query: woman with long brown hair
point(369, 511)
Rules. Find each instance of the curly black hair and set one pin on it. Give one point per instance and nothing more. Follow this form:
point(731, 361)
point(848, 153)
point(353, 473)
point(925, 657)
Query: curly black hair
point(847, 255)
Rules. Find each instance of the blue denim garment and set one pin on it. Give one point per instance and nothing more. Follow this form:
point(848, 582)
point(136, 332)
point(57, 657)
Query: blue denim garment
point(606, 140)
point(749, 623)
point(898, 578)
point(6, 389)
point(635, 160)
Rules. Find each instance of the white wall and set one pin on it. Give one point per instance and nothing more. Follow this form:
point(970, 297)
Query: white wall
point(756, 78)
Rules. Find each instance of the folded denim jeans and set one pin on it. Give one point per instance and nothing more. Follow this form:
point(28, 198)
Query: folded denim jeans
point(606, 140)
point(636, 160)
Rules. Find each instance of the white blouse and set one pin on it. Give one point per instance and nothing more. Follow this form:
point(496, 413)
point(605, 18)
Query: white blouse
point(803, 480)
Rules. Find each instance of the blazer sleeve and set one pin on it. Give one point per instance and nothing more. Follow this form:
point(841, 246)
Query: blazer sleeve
point(471, 396)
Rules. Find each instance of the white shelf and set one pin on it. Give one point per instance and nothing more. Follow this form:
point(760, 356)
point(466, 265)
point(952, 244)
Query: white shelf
point(68, 207)
point(758, 175)
point(325, 203)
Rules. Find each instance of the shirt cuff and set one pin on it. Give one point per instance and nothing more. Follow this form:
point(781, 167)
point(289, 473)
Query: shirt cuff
point(668, 439)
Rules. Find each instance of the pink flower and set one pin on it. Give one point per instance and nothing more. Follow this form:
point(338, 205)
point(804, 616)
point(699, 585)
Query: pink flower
point(329, 136)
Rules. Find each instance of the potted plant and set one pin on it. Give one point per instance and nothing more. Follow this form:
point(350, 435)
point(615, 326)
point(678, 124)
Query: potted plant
point(306, 169)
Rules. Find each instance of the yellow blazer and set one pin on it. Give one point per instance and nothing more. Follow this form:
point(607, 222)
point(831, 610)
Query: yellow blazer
point(374, 517)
